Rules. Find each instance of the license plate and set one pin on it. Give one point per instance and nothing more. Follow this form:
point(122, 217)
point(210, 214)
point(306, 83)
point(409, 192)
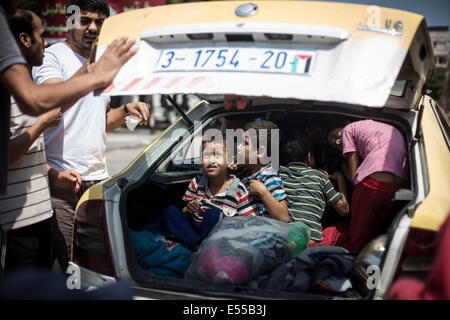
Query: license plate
point(229, 59)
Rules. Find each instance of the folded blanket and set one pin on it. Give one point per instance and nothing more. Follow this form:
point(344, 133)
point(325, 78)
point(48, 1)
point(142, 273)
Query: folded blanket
point(159, 255)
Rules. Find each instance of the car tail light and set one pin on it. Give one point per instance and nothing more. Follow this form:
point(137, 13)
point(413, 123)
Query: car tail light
point(421, 243)
point(91, 248)
point(418, 254)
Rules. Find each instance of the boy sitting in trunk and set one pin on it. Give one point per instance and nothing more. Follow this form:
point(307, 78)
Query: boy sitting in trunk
point(262, 181)
point(208, 196)
point(309, 191)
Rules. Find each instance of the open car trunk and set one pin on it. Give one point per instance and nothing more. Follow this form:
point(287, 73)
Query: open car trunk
point(316, 66)
point(165, 183)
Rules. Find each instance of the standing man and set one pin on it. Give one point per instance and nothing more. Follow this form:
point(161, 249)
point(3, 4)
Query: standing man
point(78, 142)
point(25, 210)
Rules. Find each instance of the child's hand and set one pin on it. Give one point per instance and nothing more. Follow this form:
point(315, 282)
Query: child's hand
point(257, 188)
point(232, 167)
point(193, 207)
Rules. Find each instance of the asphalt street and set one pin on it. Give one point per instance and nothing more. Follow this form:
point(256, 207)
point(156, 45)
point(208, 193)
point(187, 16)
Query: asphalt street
point(123, 145)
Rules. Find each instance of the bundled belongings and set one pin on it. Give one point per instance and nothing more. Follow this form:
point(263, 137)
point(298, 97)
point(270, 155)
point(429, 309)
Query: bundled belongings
point(324, 267)
point(156, 253)
point(240, 249)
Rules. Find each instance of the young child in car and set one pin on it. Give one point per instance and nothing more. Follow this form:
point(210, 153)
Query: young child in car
point(309, 191)
point(262, 180)
point(208, 196)
point(381, 173)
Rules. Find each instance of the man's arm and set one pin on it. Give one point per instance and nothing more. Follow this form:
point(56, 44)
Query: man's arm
point(116, 117)
point(277, 209)
point(19, 145)
point(34, 99)
point(81, 71)
point(352, 165)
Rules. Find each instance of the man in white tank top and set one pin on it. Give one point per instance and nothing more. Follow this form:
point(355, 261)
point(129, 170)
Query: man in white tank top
point(78, 142)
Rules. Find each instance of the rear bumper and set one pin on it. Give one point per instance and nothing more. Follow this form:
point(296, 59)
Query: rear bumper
point(88, 280)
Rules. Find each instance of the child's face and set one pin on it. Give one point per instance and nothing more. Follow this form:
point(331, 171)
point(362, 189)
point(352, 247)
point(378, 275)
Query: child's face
point(214, 159)
point(335, 138)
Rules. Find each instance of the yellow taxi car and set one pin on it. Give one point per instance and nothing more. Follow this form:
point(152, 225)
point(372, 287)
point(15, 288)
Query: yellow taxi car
point(298, 63)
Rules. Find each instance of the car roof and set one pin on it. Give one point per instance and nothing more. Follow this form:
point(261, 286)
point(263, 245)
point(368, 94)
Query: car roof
point(358, 55)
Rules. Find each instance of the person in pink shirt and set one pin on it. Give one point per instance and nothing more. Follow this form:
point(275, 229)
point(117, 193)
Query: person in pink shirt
point(381, 173)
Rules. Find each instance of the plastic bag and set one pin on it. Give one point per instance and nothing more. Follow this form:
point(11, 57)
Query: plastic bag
point(239, 249)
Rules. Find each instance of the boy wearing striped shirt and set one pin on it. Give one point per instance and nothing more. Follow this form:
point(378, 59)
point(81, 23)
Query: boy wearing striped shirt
point(262, 181)
point(208, 196)
point(309, 191)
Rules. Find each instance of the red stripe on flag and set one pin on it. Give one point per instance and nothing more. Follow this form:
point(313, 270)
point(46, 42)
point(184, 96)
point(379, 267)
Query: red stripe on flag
point(195, 81)
point(132, 84)
point(173, 82)
point(303, 56)
point(152, 83)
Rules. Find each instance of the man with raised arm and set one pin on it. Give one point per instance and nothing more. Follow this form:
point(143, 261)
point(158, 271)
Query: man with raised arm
point(33, 99)
point(78, 142)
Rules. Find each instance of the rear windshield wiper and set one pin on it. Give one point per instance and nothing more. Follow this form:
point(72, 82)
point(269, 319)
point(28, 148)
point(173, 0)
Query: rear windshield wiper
point(177, 107)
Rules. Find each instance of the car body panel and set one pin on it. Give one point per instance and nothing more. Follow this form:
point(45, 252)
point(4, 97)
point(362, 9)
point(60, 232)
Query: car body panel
point(93, 193)
point(432, 212)
point(133, 23)
point(332, 58)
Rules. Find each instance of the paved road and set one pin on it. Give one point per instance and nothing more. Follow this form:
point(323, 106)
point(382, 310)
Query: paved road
point(122, 146)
